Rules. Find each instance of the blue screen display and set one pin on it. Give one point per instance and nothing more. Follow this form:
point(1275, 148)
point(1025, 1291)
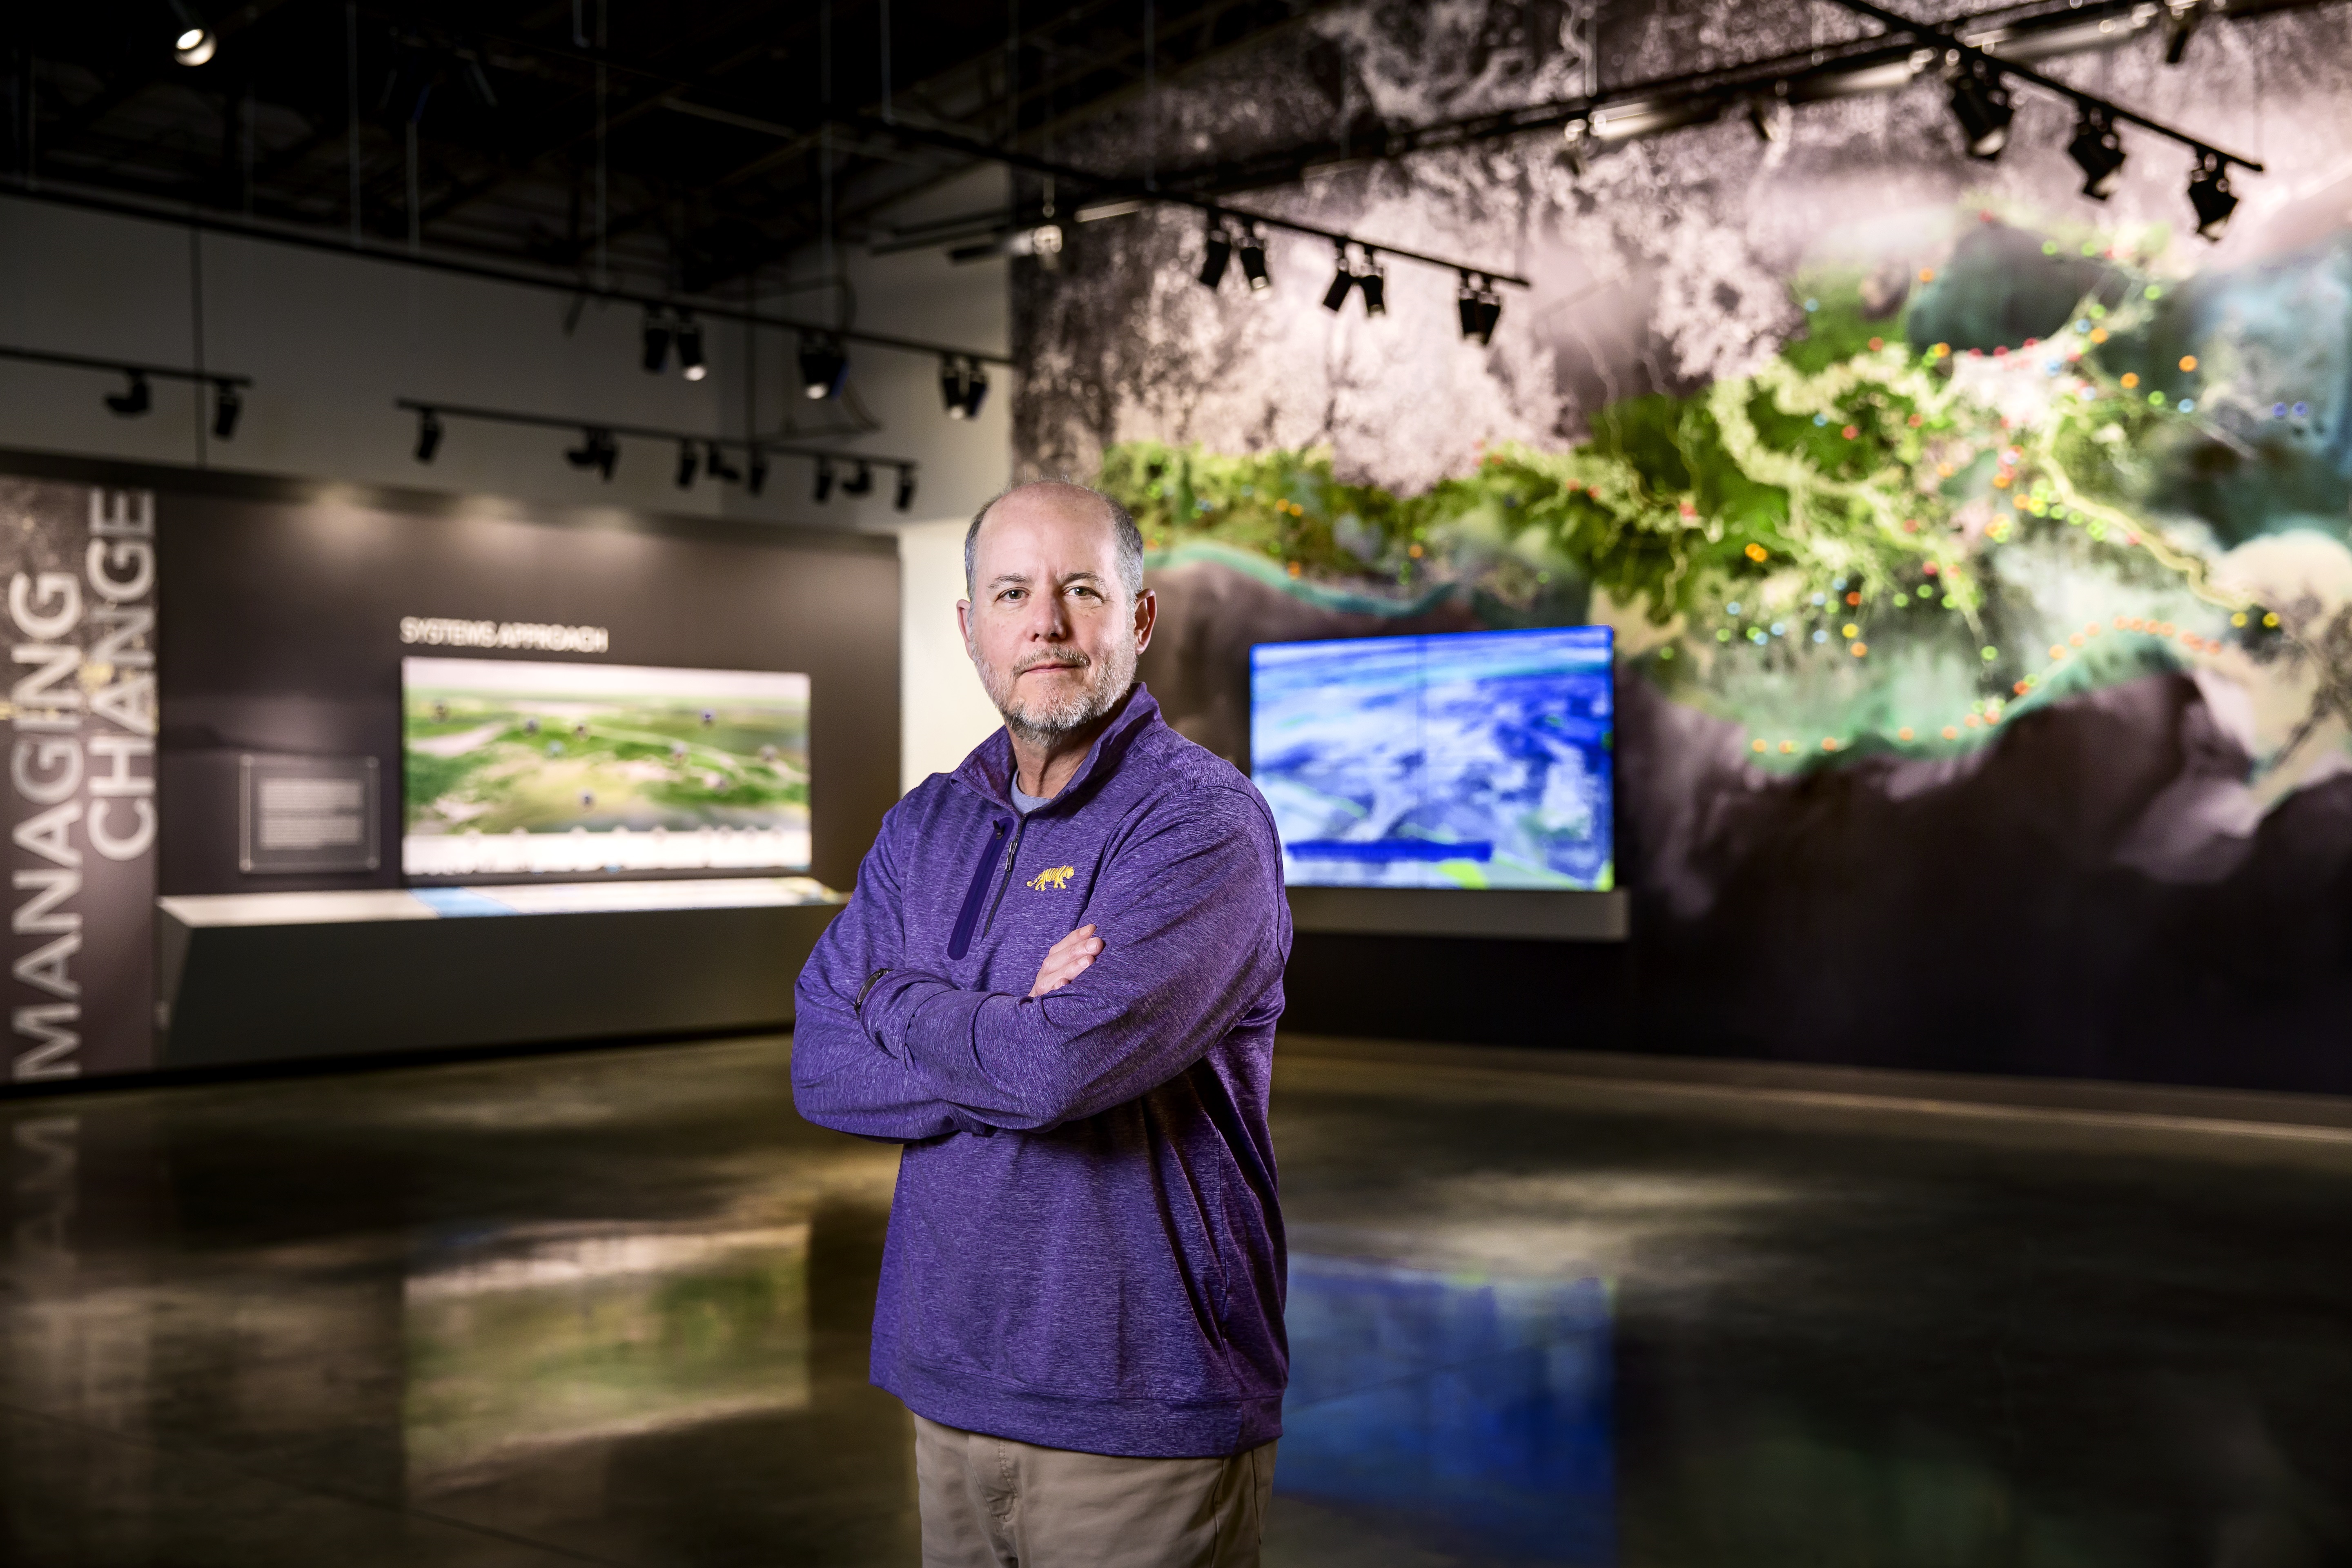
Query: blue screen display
point(1467, 760)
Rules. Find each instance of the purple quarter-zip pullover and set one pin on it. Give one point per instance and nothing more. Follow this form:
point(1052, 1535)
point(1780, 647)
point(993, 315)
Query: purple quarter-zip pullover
point(1086, 1249)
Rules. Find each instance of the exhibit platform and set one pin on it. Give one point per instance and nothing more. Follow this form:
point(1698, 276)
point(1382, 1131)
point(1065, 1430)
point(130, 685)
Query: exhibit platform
point(257, 977)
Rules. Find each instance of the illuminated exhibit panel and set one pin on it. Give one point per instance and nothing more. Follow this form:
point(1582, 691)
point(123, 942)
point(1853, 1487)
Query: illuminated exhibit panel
point(1470, 759)
point(520, 766)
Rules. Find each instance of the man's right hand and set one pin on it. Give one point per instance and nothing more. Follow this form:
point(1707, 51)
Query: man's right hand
point(1066, 961)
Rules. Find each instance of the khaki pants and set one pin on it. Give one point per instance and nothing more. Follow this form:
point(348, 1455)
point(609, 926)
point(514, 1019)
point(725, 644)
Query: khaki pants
point(991, 1502)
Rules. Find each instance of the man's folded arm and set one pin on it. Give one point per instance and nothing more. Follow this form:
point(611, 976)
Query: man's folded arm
point(1188, 952)
point(841, 1077)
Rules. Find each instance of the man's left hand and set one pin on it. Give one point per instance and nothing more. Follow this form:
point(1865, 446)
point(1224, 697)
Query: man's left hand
point(1066, 961)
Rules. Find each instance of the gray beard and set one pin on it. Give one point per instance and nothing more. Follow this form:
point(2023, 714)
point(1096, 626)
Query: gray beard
point(1043, 724)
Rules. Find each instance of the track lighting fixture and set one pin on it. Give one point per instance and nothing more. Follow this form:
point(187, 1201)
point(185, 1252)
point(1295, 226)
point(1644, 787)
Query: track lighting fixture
point(686, 464)
point(860, 482)
point(688, 334)
point(192, 43)
point(228, 404)
point(964, 386)
point(597, 450)
point(1574, 139)
point(822, 490)
point(1480, 308)
point(1981, 105)
point(824, 368)
point(2181, 26)
point(2100, 153)
point(657, 343)
point(755, 471)
point(1343, 281)
point(953, 386)
point(2209, 193)
point(428, 435)
point(1252, 254)
point(1372, 282)
point(714, 463)
point(134, 399)
point(1216, 253)
point(906, 496)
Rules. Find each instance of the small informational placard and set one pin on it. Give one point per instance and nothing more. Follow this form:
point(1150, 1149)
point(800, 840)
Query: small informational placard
point(307, 815)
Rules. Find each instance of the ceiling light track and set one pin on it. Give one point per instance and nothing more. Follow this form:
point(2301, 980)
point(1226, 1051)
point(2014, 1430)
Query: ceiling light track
point(1982, 62)
point(136, 398)
point(47, 192)
point(1107, 187)
point(698, 453)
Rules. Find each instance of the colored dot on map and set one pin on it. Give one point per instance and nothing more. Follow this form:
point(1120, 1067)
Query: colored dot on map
point(1951, 731)
point(2188, 362)
point(2131, 379)
point(1904, 733)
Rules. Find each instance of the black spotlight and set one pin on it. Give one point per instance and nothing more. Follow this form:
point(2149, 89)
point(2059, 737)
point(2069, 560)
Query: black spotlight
point(755, 471)
point(686, 464)
point(906, 496)
point(714, 463)
point(597, 450)
point(823, 488)
point(1981, 106)
point(824, 368)
point(1253, 252)
point(428, 436)
point(953, 386)
point(2178, 28)
point(688, 334)
point(1217, 252)
point(2100, 151)
point(975, 391)
point(1343, 282)
point(227, 405)
point(133, 399)
point(1480, 308)
point(859, 482)
point(2209, 192)
point(1374, 283)
point(656, 337)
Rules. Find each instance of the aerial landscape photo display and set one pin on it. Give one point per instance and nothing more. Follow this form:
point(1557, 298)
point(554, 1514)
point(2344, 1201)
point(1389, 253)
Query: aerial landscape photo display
point(1475, 759)
point(523, 766)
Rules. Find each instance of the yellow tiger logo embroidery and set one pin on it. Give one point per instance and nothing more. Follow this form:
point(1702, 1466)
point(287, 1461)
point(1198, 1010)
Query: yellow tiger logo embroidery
point(1056, 879)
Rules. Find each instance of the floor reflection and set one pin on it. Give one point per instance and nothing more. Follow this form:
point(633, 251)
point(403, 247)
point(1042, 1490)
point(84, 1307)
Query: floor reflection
point(613, 1308)
point(1473, 1413)
point(534, 1338)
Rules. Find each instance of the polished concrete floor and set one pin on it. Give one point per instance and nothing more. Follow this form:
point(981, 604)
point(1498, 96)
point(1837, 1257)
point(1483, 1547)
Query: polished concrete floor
point(611, 1308)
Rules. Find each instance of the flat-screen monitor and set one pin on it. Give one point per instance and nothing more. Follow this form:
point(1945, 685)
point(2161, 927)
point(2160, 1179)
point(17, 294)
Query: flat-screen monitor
point(1466, 760)
point(519, 767)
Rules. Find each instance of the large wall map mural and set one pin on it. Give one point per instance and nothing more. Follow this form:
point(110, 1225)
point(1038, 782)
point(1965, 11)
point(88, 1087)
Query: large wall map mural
point(1978, 553)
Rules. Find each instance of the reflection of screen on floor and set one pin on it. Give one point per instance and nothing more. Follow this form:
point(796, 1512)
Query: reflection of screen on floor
point(514, 765)
point(1470, 759)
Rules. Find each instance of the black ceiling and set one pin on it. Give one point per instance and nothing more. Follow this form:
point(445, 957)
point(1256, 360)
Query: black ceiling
point(711, 112)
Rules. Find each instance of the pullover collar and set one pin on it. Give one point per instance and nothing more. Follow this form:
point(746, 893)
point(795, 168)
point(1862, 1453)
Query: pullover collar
point(988, 770)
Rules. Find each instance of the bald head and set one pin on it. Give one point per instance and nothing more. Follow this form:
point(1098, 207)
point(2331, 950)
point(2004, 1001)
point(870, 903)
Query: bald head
point(1062, 503)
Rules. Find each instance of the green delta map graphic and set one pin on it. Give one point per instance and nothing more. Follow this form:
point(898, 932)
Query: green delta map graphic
point(491, 749)
point(2057, 461)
